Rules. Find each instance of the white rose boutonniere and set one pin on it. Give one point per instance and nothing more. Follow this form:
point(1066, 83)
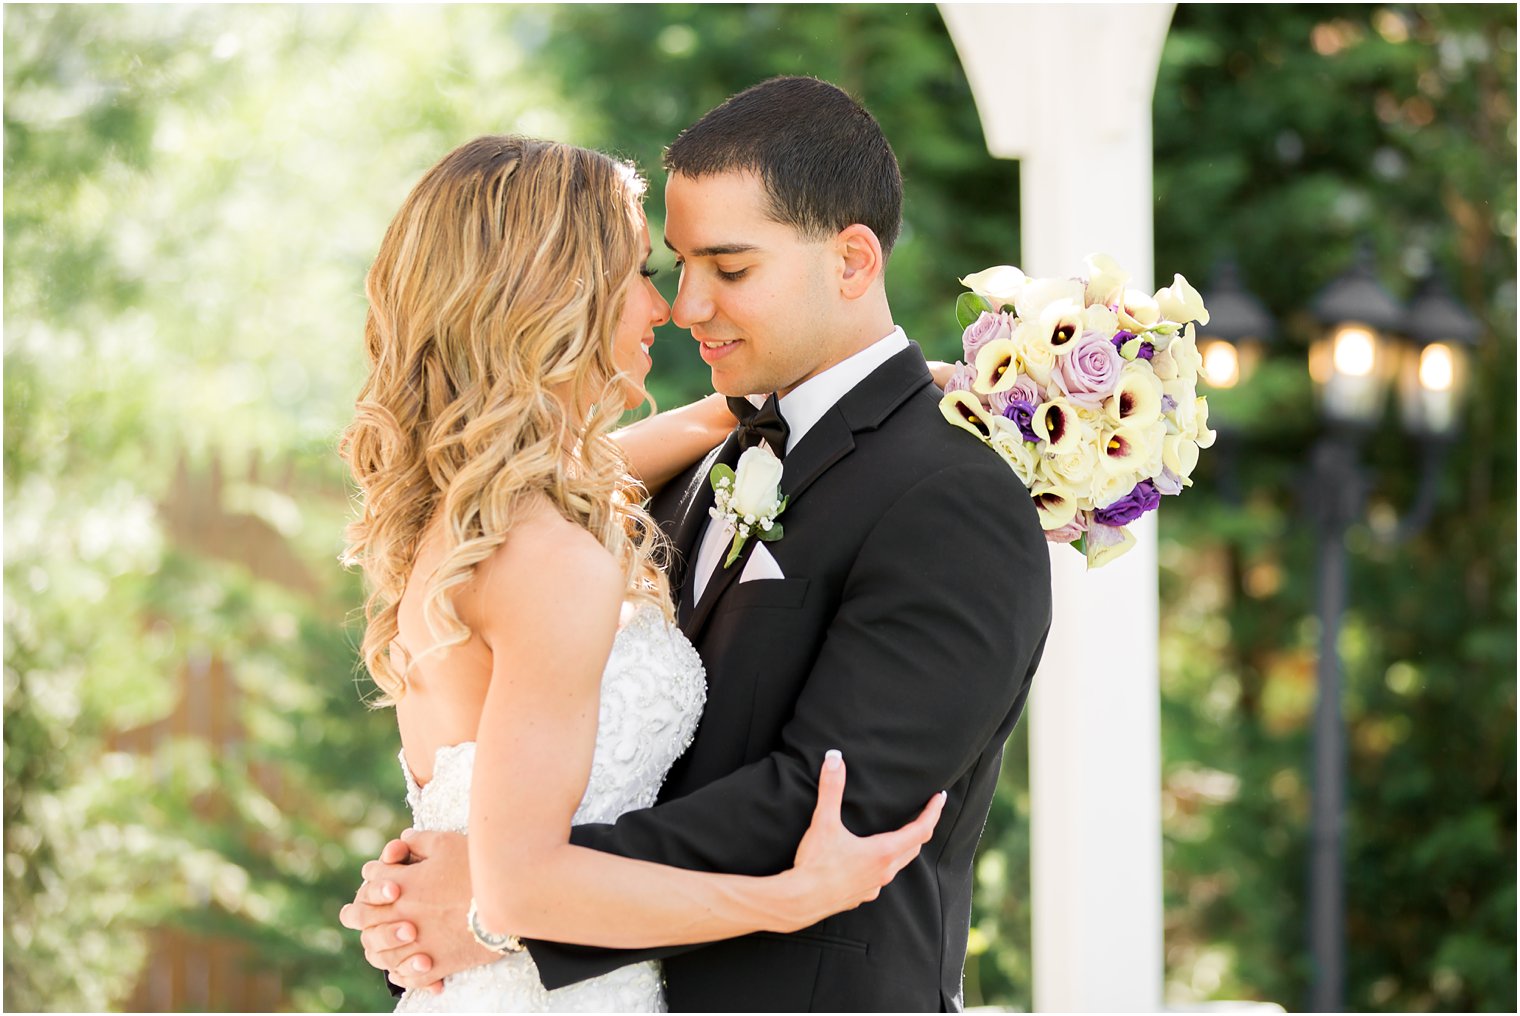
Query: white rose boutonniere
point(748, 500)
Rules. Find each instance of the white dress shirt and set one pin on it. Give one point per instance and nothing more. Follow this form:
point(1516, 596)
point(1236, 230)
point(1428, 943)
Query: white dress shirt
point(802, 407)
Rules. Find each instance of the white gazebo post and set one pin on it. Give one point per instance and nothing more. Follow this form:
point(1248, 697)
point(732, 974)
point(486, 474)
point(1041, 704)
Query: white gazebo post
point(1066, 90)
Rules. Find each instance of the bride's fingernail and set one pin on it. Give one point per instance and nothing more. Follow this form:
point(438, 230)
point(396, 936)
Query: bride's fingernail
point(833, 758)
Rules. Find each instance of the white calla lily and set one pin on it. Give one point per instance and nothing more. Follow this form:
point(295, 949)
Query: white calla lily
point(1180, 455)
point(997, 367)
point(1057, 424)
point(1181, 303)
point(1202, 434)
point(1100, 318)
point(1061, 322)
point(1105, 280)
point(1104, 543)
point(1137, 396)
point(1137, 310)
point(998, 285)
point(1037, 294)
point(1057, 505)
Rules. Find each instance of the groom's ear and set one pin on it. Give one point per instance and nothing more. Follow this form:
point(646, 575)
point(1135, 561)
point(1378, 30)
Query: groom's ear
point(860, 260)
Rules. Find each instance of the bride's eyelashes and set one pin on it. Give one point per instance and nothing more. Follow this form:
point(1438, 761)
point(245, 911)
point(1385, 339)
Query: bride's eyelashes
point(648, 272)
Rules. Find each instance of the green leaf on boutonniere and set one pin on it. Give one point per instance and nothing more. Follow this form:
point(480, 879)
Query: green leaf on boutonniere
point(769, 535)
point(1081, 544)
point(969, 307)
point(721, 472)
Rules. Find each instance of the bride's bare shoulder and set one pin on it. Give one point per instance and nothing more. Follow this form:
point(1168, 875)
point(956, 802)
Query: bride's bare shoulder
point(546, 564)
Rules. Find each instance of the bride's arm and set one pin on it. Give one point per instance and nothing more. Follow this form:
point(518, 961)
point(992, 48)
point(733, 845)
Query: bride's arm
point(662, 446)
point(552, 620)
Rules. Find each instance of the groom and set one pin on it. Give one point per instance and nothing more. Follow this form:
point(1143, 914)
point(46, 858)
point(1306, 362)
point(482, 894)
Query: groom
point(899, 618)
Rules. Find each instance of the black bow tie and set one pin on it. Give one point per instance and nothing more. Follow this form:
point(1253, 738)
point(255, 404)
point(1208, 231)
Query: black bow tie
point(765, 423)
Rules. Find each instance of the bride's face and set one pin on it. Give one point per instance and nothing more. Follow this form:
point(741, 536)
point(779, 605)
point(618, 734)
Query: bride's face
point(643, 312)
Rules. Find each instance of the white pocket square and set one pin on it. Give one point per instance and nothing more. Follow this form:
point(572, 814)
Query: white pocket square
point(760, 566)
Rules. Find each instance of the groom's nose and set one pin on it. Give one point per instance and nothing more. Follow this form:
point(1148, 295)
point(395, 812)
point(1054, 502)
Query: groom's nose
point(693, 305)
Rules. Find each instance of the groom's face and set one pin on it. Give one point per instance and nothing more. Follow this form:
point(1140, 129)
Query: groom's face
point(757, 295)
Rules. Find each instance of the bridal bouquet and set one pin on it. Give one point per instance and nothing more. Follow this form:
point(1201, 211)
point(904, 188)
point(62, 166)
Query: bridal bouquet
point(1088, 390)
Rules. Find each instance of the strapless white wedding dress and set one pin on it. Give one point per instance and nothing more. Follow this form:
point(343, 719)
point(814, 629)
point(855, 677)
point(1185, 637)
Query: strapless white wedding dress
point(653, 690)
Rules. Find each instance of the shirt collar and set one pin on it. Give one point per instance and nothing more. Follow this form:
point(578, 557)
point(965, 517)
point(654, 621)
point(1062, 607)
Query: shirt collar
point(805, 405)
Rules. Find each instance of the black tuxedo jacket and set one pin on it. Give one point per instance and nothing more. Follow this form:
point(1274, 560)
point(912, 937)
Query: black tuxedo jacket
point(907, 628)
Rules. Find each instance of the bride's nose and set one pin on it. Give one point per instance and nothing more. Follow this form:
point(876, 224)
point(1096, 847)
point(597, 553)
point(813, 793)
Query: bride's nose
point(659, 311)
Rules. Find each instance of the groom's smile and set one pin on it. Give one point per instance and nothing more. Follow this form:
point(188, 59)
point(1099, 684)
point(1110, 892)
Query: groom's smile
point(754, 292)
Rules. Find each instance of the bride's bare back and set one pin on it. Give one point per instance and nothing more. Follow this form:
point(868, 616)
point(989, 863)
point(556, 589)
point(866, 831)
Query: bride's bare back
point(446, 690)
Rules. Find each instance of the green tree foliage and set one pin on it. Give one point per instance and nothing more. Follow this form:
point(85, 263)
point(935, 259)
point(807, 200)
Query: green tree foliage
point(192, 196)
point(1282, 138)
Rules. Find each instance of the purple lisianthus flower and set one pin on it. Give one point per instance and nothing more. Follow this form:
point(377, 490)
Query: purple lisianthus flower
point(1088, 374)
point(1144, 498)
point(960, 381)
point(987, 328)
point(1145, 350)
point(1021, 413)
point(1168, 403)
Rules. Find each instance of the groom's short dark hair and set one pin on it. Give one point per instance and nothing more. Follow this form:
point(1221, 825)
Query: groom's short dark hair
point(823, 159)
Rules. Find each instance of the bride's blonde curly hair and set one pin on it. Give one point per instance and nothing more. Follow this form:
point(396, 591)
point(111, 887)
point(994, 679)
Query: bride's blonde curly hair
point(493, 304)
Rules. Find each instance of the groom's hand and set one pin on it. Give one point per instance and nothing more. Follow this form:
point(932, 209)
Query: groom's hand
point(411, 910)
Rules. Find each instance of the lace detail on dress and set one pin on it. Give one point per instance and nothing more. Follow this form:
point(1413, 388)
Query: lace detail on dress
point(653, 690)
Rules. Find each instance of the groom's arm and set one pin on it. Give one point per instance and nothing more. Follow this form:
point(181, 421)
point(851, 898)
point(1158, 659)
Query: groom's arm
point(939, 628)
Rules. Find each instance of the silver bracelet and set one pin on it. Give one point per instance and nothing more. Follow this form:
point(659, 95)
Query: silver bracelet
point(503, 944)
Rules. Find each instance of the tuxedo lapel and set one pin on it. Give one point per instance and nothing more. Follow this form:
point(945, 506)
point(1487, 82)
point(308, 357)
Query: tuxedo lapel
point(717, 585)
point(687, 535)
point(697, 498)
point(828, 441)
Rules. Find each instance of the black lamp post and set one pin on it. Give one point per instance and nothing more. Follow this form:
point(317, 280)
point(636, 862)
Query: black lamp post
point(1367, 342)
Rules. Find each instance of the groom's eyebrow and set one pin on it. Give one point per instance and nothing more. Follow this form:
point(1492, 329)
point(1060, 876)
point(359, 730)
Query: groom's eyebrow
point(716, 250)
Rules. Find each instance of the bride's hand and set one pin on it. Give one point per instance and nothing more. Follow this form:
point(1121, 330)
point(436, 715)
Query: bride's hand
point(834, 869)
point(942, 372)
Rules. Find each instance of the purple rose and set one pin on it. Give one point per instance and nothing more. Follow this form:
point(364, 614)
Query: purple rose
point(1025, 389)
point(960, 381)
point(987, 328)
point(1089, 372)
point(1069, 532)
point(1144, 498)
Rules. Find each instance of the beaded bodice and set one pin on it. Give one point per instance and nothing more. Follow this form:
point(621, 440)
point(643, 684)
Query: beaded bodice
point(653, 690)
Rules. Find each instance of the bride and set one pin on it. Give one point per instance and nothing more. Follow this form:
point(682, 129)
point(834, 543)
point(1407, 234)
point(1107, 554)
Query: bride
point(518, 620)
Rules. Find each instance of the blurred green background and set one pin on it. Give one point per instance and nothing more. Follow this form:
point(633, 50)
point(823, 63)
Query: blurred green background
point(192, 196)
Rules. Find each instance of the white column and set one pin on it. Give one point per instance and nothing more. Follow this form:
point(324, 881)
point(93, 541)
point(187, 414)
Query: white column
point(1066, 89)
